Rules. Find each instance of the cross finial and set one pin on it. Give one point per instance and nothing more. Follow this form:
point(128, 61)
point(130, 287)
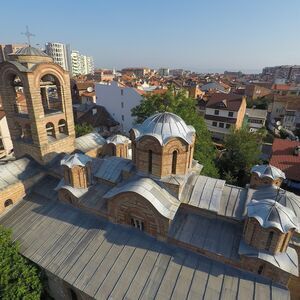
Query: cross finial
point(28, 34)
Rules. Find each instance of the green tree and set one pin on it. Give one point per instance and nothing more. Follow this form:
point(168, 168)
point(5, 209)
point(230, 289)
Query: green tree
point(184, 107)
point(242, 150)
point(18, 278)
point(82, 129)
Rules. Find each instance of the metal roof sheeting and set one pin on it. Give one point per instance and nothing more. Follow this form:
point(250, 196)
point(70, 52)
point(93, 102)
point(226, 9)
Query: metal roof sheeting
point(29, 51)
point(163, 202)
point(110, 169)
point(117, 139)
point(270, 213)
point(203, 192)
point(165, 126)
point(108, 261)
point(18, 170)
point(286, 261)
point(89, 141)
point(76, 159)
point(268, 171)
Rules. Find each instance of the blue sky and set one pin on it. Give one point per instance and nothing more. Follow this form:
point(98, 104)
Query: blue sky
point(199, 35)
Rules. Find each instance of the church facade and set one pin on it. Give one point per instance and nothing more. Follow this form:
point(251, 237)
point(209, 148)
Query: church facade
point(140, 200)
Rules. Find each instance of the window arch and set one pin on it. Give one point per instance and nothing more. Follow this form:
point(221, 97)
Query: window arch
point(150, 161)
point(62, 127)
point(8, 203)
point(260, 269)
point(50, 131)
point(174, 161)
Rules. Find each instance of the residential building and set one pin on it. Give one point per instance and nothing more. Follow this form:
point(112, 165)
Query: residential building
point(223, 111)
point(214, 87)
point(6, 49)
point(286, 157)
point(118, 101)
point(286, 72)
point(176, 72)
point(254, 91)
point(163, 72)
point(81, 64)
point(256, 118)
point(6, 146)
point(195, 91)
point(286, 110)
point(138, 72)
point(60, 54)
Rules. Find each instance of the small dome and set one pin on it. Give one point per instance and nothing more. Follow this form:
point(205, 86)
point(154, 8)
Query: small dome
point(76, 159)
point(268, 171)
point(164, 126)
point(29, 51)
point(270, 213)
point(117, 139)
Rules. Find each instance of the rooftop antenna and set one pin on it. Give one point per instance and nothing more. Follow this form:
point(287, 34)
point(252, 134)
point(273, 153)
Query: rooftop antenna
point(28, 34)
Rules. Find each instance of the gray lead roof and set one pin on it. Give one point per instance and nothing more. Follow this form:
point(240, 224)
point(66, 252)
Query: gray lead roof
point(108, 261)
point(163, 202)
point(164, 126)
point(286, 261)
point(29, 51)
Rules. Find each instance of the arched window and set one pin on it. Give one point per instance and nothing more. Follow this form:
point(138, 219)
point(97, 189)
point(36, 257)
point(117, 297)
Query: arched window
point(260, 269)
point(269, 241)
point(50, 131)
point(150, 161)
point(62, 127)
point(8, 203)
point(174, 162)
point(73, 295)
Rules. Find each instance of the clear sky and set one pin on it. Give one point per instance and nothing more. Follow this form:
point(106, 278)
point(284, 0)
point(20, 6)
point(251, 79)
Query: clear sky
point(210, 35)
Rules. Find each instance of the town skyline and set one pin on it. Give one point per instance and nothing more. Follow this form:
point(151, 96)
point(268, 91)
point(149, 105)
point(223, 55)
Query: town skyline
point(202, 37)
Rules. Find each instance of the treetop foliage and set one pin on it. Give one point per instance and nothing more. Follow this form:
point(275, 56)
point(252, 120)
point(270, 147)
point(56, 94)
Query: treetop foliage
point(18, 278)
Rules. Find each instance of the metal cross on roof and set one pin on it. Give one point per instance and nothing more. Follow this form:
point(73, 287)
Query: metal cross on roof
point(28, 34)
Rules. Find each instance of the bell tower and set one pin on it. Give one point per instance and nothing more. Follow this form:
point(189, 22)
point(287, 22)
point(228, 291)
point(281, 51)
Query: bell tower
point(37, 101)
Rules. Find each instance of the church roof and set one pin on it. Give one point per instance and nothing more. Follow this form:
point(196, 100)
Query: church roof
point(104, 260)
point(165, 126)
point(163, 202)
point(286, 261)
point(286, 198)
point(270, 213)
point(29, 51)
point(89, 141)
point(268, 171)
point(76, 159)
point(117, 139)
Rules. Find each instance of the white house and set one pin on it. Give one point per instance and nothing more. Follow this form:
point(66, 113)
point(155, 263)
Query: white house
point(118, 101)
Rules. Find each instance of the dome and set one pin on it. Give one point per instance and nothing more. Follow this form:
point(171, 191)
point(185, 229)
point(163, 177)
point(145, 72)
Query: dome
point(270, 213)
point(29, 51)
point(76, 159)
point(165, 126)
point(117, 139)
point(268, 171)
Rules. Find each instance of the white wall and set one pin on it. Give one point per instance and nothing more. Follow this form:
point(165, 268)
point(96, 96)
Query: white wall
point(5, 136)
point(110, 96)
point(222, 113)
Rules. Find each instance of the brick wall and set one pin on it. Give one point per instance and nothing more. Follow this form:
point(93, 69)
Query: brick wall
point(122, 208)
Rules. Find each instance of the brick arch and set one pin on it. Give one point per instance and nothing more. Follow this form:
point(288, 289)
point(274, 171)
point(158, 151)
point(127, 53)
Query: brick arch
point(127, 205)
point(7, 70)
point(177, 144)
point(8, 203)
point(149, 142)
point(55, 70)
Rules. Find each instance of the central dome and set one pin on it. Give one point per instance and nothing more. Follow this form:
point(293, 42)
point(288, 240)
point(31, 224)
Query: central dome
point(29, 51)
point(165, 126)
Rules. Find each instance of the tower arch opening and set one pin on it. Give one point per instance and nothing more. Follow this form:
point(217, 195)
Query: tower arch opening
point(50, 131)
point(51, 94)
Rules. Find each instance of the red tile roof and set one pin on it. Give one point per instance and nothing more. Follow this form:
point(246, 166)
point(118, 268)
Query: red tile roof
point(230, 102)
point(283, 158)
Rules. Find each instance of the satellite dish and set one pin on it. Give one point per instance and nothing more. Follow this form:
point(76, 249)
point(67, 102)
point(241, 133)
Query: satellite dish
point(89, 89)
point(278, 123)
